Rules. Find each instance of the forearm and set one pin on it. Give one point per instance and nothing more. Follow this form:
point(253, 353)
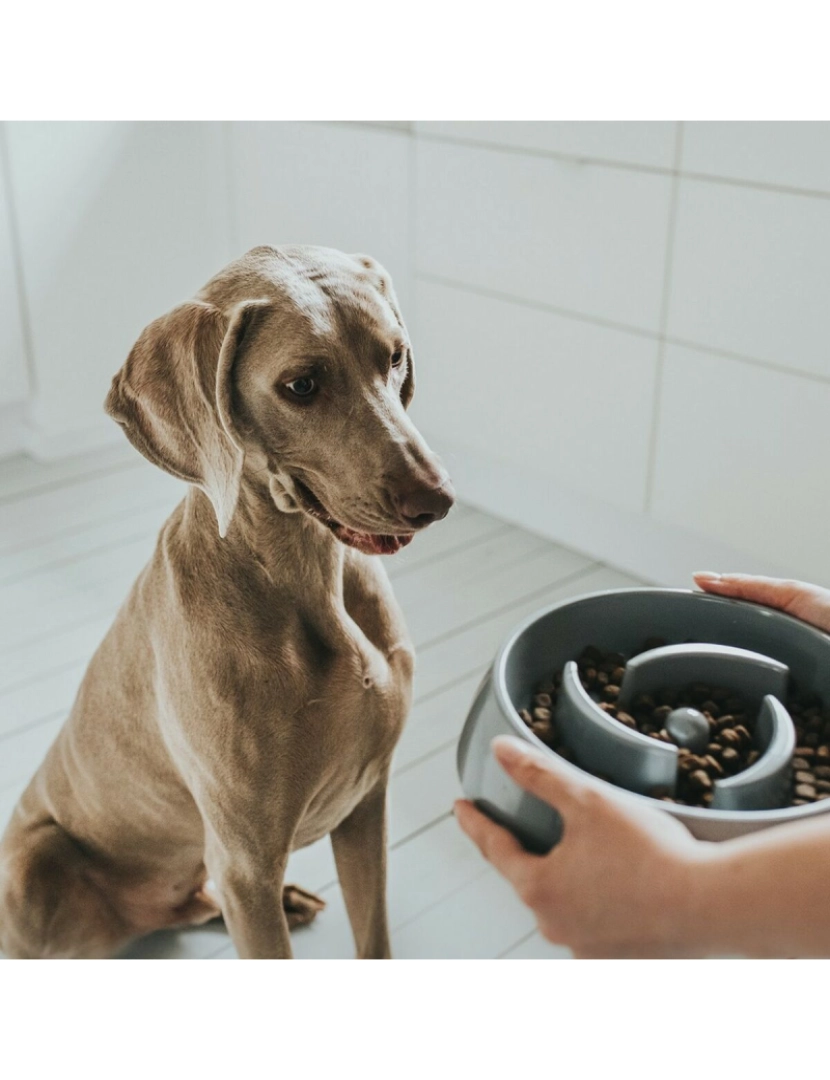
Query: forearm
point(764, 895)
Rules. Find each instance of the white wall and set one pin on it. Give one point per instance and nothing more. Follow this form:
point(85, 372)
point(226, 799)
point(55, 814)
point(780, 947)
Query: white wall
point(624, 335)
point(14, 376)
point(117, 223)
point(342, 186)
point(621, 329)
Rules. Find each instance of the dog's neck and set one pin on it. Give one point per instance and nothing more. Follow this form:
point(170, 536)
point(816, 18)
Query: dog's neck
point(288, 552)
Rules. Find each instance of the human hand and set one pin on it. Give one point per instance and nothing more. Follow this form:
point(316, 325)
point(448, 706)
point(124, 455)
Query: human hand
point(623, 881)
point(810, 603)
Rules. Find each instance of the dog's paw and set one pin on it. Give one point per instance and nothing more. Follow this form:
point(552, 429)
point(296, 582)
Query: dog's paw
point(300, 906)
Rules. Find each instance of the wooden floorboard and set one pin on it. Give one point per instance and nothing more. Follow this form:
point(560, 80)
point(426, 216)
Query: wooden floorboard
point(73, 536)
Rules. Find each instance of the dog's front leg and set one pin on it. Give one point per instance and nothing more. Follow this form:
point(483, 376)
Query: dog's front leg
point(359, 844)
point(250, 893)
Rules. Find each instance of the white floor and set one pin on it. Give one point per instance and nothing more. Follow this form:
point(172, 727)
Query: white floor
point(74, 534)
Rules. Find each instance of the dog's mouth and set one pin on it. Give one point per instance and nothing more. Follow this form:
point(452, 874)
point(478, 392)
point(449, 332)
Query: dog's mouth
point(368, 543)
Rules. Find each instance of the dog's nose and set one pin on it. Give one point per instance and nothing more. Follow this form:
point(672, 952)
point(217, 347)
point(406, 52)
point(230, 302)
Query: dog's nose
point(421, 506)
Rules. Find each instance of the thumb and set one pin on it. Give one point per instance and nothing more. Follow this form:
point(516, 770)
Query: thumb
point(544, 776)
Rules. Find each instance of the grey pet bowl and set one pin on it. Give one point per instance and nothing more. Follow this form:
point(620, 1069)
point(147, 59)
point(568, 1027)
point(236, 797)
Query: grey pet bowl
point(751, 649)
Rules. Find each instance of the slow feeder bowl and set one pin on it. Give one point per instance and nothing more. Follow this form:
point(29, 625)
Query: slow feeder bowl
point(750, 649)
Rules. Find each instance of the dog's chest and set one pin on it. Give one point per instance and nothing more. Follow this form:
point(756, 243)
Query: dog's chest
point(358, 727)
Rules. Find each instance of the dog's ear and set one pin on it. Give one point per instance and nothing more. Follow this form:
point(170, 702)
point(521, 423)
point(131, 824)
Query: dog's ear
point(173, 398)
point(382, 281)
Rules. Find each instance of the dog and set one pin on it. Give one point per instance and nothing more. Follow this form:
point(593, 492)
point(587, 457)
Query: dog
point(249, 695)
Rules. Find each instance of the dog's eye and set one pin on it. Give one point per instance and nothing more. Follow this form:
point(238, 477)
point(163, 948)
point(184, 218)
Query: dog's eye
point(397, 357)
point(303, 387)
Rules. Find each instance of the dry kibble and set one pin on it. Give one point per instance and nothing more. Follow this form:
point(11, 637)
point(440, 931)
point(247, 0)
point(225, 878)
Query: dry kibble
point(731, 728)
point(700, 779)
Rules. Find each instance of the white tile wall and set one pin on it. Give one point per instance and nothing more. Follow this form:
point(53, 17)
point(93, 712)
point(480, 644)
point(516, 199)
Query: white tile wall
point(788, 153)
point(751, 274)
point(336, 185)
point(635, 143)
point(527, 386)
point(118, 222)
point(744, 456)
point(582, 237)
point(14, 383)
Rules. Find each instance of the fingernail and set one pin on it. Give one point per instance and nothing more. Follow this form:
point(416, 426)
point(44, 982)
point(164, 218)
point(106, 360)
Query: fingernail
point(509, 748)
point(707, 575)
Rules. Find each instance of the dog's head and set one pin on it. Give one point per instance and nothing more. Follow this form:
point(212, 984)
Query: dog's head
point(292, 364)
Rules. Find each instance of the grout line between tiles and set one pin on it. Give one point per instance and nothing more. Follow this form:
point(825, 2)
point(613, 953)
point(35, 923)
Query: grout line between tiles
point(434, 752)
point(515, 602)
point(536, 305)
point(595, 320)
point(668, 261)
point(441, 899)
point(17, 260)
point(70, 481)
point(80, 556)
point(627, 166)
point(494, 533)
point(525, 937)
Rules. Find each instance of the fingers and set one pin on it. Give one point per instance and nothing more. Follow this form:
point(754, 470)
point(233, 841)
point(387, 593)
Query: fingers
point(774, 592)
point(497, 845)
point(543, 776)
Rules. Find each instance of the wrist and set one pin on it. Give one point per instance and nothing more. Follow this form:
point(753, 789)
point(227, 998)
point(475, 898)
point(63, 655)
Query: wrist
point(711, 915)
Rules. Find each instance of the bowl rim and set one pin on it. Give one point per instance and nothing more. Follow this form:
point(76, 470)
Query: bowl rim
point(693, 813)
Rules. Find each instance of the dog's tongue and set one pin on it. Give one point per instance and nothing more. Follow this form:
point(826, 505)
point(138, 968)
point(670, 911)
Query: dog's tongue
point(369, 543)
